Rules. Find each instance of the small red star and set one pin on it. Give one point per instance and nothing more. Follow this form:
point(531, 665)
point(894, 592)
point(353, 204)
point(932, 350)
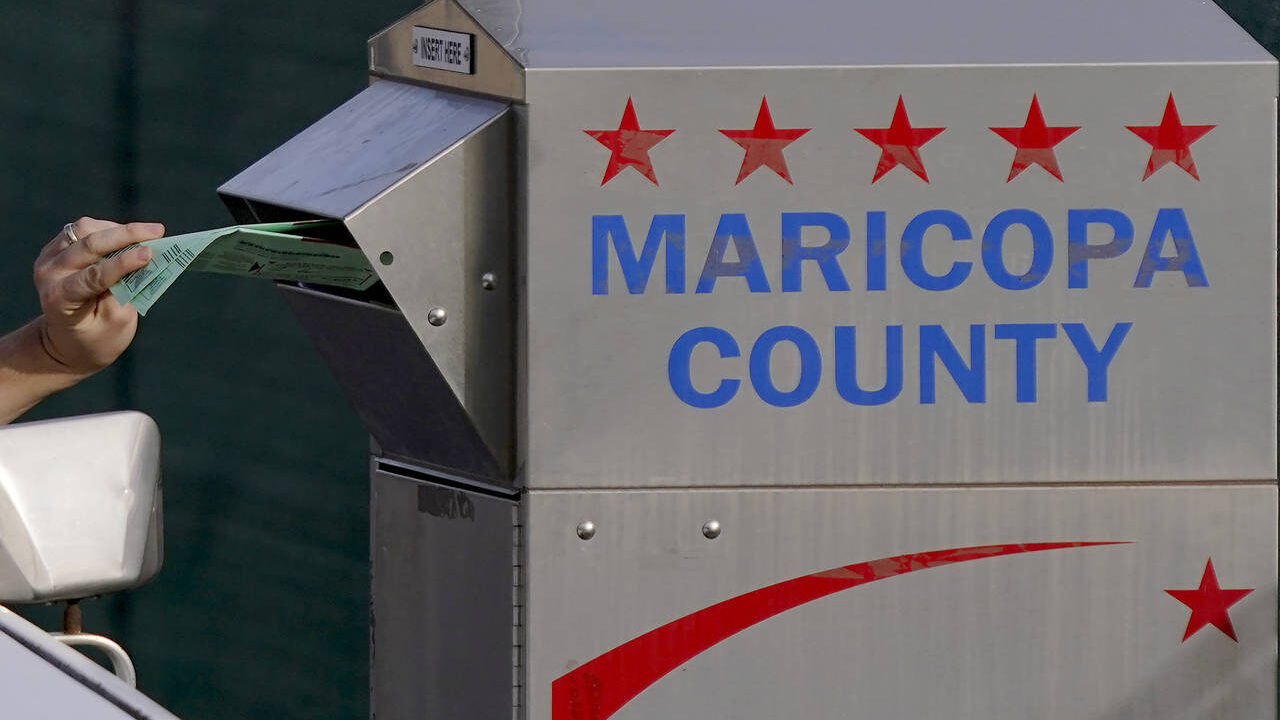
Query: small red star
point(1209, 604)
point(630, 145)
point(764, 144)
point(900, 143)
point(1171, 141)
point(1034, 142)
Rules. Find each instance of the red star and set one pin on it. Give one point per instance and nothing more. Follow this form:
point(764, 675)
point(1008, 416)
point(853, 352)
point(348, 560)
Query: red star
point(1034, 142)
point(1209, 604)
point(630, 145)
point(900, 143)
point(1171, 141)
point(764, 144)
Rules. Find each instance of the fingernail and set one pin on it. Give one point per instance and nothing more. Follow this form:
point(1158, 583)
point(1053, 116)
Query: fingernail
point(155, 228)
point(143, 253)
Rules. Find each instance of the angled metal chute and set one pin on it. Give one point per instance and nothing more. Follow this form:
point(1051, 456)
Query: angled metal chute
point(420, 179)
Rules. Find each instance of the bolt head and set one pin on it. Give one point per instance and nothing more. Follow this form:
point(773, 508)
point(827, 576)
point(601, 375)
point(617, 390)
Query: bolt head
point(711, 529)
point(488, 281)
point(436, 316)
point(586, 529)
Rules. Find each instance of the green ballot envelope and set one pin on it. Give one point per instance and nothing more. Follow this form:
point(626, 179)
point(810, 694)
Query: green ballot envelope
point(278, 251)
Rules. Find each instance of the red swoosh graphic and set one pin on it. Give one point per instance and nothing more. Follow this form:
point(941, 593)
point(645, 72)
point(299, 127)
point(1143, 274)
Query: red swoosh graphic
point(596, 689)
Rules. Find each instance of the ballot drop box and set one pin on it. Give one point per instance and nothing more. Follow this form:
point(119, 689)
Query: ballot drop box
point(823, 359)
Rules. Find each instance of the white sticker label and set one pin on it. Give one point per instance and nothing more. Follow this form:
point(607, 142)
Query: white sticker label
point(442, 49)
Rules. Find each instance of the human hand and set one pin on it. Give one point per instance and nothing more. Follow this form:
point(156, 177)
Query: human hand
point(83, 328)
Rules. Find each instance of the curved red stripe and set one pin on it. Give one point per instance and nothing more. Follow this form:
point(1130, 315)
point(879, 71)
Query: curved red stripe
point(596, 689)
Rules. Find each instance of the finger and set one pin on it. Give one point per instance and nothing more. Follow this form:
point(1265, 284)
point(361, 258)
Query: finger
point(83, 227)
point(95, 246)
point(116, 314)
point(112, 313)
point(89, 283)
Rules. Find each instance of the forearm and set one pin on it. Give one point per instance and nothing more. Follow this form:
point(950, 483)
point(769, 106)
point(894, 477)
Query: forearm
point(28, 372)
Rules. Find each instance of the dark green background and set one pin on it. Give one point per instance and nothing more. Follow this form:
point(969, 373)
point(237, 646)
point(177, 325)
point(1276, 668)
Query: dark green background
point(124, 109)
point(140, 109)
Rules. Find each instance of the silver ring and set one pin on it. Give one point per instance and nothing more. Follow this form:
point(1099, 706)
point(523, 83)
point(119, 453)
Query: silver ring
point(71, 234)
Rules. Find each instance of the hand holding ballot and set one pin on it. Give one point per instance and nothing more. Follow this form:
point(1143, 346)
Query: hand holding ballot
point(82, 328)
point(96, 276)
point(279, 251)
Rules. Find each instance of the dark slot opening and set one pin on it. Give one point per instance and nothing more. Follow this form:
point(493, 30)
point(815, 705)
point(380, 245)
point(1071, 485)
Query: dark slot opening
point(252, 211)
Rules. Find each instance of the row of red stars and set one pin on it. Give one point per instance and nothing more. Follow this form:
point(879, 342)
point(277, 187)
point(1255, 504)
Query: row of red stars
point(899, 143)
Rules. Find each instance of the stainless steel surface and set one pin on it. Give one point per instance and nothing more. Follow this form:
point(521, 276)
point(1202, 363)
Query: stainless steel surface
point(421, 179)
point(441, 603)
point(670, 33)
point(447, 224)
point(497, 72)
point(1016, 529)
point(1061, 634)
point(393, 385)
point(501, 18)
point(677, 33)
point(361, 149)
point(1191, 390)
point(121, 664)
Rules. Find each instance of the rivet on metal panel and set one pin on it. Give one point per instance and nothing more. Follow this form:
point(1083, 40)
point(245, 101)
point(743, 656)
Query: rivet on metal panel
point(386, 258)
point(586, 529)
point(711, 529)
point(488, 281)
point(436, 316)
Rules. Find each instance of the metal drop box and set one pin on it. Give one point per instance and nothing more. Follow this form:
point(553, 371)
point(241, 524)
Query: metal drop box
point(823, 359)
